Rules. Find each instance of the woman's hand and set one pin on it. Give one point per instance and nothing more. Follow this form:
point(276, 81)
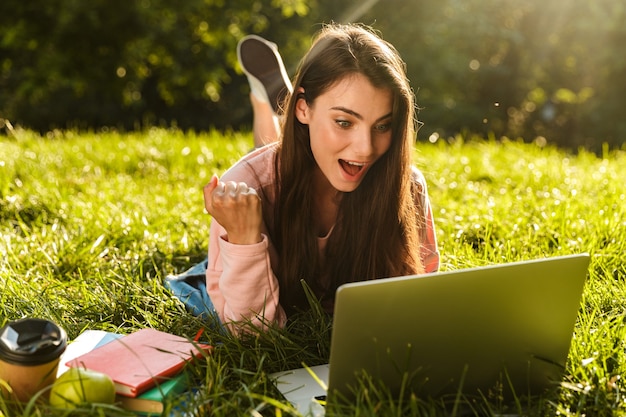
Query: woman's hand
point(237, 208)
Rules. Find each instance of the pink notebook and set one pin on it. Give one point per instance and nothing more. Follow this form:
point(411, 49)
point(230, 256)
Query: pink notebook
point(138, 361)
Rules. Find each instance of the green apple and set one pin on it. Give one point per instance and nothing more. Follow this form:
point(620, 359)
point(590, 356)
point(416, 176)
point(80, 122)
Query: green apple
point(79, 386)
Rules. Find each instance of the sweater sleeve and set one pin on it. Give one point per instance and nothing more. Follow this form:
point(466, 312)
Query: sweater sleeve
point(241, 283)
point(429, 250)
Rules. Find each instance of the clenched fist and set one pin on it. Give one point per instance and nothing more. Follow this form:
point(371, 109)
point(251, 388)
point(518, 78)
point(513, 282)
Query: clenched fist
point(237, 208)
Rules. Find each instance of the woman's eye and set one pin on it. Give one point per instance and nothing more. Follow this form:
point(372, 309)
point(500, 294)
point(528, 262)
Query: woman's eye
point(382, 127)
point(343, 123)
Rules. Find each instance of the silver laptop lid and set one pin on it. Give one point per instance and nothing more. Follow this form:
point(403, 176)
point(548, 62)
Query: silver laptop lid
point(460, 331)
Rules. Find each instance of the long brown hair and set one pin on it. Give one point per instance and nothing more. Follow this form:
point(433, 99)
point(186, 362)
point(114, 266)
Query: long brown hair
point(377, 229)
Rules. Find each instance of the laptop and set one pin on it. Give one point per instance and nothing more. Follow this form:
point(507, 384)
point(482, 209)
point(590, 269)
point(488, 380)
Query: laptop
point(503, 329)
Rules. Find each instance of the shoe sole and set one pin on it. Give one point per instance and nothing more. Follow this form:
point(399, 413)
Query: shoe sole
point(262, 64)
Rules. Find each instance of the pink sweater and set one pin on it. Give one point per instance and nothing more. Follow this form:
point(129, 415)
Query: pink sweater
point(240, 278)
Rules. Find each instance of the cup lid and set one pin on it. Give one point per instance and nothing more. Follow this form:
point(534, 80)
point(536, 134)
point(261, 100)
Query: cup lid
point(31, 341)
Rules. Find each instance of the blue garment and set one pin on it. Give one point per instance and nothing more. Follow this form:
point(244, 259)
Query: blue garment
point(190, 288)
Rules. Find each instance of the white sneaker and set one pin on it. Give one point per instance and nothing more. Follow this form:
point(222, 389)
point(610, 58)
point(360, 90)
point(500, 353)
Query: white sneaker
point(264, 68)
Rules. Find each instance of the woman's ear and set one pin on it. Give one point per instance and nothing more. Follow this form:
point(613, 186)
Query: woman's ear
point(302, 107)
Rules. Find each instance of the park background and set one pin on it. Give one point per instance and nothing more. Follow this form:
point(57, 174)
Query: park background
point(115, 113)
point(547, 71)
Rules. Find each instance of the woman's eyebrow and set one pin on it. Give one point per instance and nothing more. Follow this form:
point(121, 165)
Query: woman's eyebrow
point(357, 115)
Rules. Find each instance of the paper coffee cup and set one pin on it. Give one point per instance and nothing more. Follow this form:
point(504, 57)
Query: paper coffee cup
point(30, 350)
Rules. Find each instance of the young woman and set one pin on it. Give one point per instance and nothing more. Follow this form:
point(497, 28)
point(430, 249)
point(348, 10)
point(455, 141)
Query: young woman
point(334, 199)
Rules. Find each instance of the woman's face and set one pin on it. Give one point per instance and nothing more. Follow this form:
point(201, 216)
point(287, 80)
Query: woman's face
point(350, 128)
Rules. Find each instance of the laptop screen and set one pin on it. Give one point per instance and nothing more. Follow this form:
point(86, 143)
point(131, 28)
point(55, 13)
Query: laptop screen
point(502, 329)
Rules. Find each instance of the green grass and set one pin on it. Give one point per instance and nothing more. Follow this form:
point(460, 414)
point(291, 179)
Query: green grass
point(91, 223)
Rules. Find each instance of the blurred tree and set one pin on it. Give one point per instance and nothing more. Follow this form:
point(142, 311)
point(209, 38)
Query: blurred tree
point(535, 68)
point(571, 73)
point(463, 64)
point(124, 63)
point(532, 68)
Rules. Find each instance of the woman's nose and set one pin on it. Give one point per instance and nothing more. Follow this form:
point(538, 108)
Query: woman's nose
point(362, 143)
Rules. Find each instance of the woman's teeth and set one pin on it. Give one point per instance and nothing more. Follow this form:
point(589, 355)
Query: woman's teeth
point(352, 168)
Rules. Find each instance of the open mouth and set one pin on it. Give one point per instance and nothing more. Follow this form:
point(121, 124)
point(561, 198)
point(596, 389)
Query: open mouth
point(352, 168)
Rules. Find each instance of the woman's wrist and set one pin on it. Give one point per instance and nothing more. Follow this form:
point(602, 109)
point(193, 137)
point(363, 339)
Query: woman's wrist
point(244, 239)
